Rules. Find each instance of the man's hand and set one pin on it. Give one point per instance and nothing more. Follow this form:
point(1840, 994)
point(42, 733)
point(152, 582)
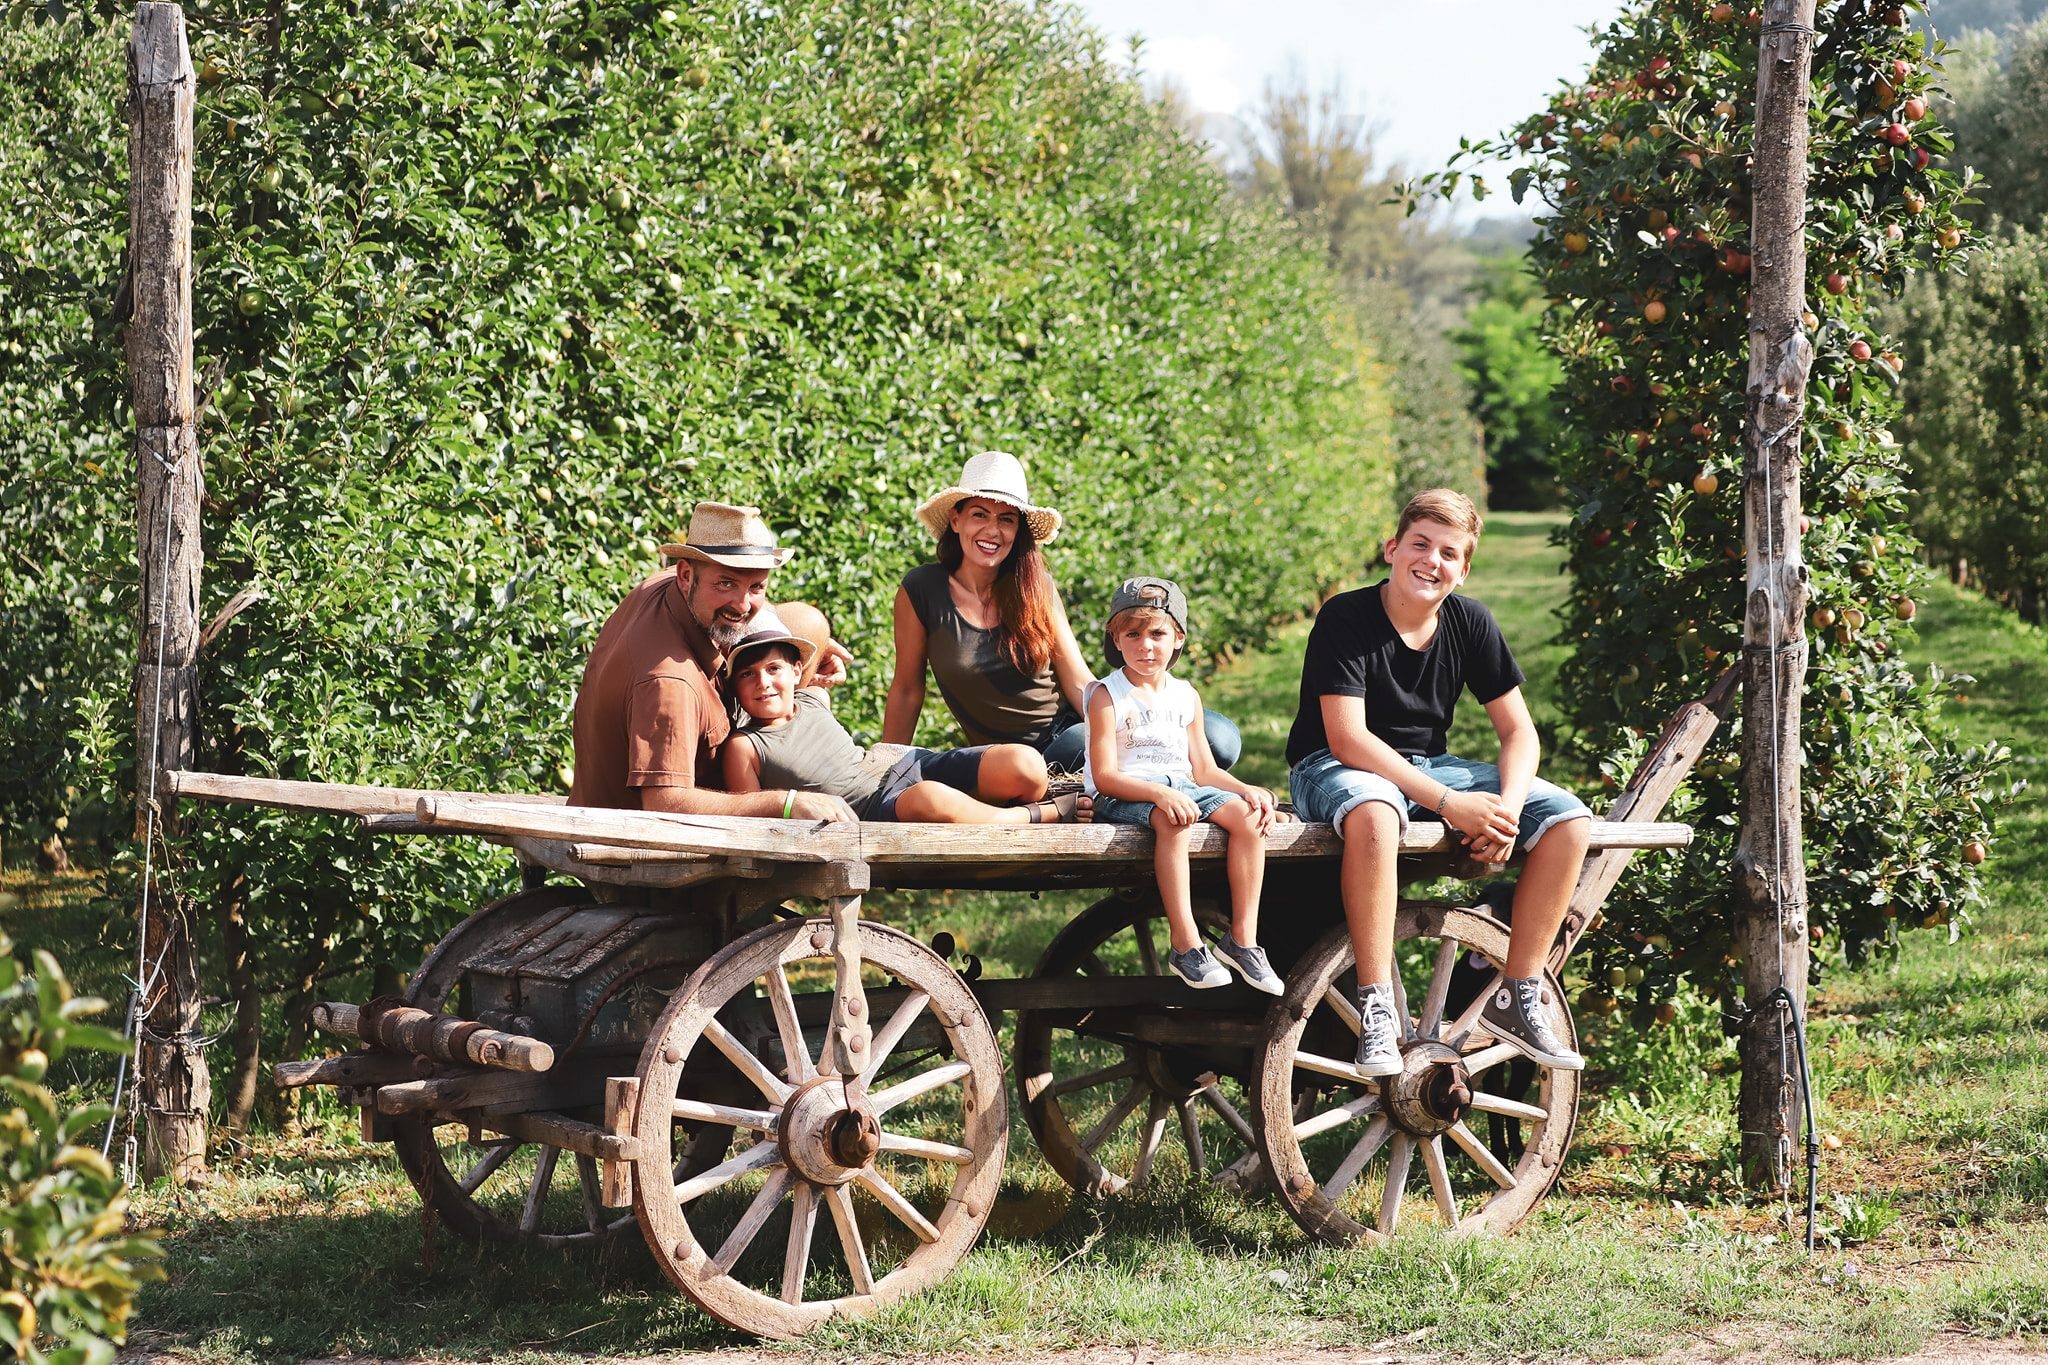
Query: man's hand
point(832, 665)
point(820, 806)
point(1483, 819)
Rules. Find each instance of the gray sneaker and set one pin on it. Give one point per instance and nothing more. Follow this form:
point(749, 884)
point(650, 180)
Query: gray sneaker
point(1198, 968)
point(1251, 964)
point(1379, 1032)
point(1514, 1014)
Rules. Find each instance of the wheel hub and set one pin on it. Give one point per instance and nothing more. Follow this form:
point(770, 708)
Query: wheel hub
point(825, 1139)
point(1432, 1093)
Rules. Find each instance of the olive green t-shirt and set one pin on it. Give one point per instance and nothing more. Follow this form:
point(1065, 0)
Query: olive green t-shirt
point(813, 752)
point(995, 701)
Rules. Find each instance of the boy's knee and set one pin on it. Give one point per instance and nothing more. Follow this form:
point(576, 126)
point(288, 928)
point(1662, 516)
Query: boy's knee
point(1372, 823)
point(1011, 772)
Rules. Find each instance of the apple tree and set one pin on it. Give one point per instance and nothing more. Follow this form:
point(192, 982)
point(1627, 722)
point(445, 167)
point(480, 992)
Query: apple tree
point(1642, 172)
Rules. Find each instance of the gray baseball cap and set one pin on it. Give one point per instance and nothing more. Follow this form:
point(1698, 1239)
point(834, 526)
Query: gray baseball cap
point(1160, 593)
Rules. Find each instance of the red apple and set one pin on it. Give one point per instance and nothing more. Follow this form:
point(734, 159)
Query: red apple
point(1705, 482)
point(1915, 110)
point(1975, 852)
point(1836, 282)
point(1896, 134)
point(1859, 350)
point(1600, 537)
point(1921, 157)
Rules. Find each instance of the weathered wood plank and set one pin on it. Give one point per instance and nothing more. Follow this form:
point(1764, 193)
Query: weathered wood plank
point(502, 1092)
point(559, 1130)
point(351, 1069)
point(326, 798)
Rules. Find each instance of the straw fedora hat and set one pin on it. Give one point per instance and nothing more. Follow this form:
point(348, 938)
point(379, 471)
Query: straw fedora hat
point(997, 476)
point(733, 536)
point(768, 629)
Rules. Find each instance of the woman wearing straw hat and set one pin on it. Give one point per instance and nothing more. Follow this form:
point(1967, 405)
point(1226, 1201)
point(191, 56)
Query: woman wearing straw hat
point(987, 620)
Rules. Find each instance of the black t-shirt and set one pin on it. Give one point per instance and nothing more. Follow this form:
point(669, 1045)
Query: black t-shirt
point(1354, 651)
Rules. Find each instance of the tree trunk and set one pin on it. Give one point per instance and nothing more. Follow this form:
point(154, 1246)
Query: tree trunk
point(1770, 863)
point(172, 1081)
point(239, 949)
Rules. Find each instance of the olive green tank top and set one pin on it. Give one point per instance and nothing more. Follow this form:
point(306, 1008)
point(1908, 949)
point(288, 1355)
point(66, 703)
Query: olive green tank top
point(994, 701)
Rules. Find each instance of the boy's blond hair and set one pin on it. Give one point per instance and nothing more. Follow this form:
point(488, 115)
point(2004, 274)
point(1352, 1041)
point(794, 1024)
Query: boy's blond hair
point(1447, 506)
point(1130, 616)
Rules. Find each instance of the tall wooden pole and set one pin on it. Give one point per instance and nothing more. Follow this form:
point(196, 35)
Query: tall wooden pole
point(172, 1082)
point(1770, 860)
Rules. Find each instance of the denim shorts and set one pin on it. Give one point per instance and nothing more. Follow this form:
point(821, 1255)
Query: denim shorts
point(1116, 811)
point(1327, 791)
point(959, 769)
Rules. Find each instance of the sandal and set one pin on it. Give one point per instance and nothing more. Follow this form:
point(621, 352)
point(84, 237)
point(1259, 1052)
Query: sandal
point(1066, 809)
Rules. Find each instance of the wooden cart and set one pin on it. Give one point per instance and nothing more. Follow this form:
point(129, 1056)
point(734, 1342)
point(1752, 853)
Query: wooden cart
point(667, 1041)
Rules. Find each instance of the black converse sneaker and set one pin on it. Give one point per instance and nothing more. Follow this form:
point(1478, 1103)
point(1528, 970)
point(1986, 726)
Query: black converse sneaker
point(1379, 1032)
point(1514, 1015)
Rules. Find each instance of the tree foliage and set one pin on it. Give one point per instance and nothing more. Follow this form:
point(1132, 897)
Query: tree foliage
point(1977, 418)
point(1644, 246)
point(68, 1268)
point(487, 294)
point(1998, 104)
point(1513, 377)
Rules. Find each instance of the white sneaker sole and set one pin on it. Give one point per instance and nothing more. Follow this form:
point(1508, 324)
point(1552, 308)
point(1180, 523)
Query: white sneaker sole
point(1554, 1060)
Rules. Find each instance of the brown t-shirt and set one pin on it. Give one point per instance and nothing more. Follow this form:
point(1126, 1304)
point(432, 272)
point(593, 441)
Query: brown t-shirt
point(649, 714)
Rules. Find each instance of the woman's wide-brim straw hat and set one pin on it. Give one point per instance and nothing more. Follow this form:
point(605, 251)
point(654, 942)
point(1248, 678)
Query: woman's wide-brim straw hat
point(999, 477)
point(768, 629)
point(733, 536)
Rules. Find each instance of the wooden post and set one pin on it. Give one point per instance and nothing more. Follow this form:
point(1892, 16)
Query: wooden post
point(172, 1082)
point(1770, 861)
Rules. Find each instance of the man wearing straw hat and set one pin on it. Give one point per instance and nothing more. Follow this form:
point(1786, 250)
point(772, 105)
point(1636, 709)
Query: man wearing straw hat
point(650, 715)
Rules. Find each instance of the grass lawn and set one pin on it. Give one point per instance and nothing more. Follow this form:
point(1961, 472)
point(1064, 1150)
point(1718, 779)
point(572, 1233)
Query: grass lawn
point(1932, 1072)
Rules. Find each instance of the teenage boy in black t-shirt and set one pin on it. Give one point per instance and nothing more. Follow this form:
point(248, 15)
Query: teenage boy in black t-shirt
point(1382, 674)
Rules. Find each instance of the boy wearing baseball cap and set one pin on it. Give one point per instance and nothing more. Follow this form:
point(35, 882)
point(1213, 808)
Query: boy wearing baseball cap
point(1149, 764)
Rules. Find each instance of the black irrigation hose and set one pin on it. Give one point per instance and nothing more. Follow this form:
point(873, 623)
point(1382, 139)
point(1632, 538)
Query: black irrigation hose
point(1783, 997)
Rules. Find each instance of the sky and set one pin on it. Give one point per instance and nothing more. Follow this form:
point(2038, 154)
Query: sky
point(1425, 72)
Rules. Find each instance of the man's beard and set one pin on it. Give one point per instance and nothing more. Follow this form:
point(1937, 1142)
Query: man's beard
point(723, 632)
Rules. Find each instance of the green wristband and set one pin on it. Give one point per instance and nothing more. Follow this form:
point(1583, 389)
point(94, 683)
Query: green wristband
point(788, 802)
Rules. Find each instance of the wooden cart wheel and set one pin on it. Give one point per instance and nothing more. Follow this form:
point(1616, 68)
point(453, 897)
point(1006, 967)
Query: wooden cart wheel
point(904, 1153)
point(504, 1190)
point(1081, 1089)
point(1342, 1148)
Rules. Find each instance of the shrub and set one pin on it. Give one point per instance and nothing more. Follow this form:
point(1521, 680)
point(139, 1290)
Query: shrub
point(486, 295)
point(1976, 423)
point(68, 1268)
point(1644, 250)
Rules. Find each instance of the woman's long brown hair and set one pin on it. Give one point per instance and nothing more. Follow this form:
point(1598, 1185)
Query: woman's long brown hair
point(1024, 597)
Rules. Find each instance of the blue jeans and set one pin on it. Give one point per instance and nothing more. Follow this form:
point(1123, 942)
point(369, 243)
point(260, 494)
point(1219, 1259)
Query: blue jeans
point(1327, 791)
point(1117, 811)
point(1069, 746)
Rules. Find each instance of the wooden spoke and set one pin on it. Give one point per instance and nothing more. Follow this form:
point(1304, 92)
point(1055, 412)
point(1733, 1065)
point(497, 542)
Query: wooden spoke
point(1148, 950)
point(484, 1168)
point(796, 1054)
point(1487, 1057)
point(1440, 1181)
point(1439, 989)
point(892, 1199)
point(930, 1151)
point(1114, 1119)
point(1455, 1034)
point(892, 1034)
point(1347, 1010)
point(1401, 1004)
point(1482, 1156)
point(1227, 1111)
point(1087, 1080)
point(1501, 1104)
point(697, 1111)
point(1241, 1173)
point(1399, 1157)
point(1093, 965)
point(1336, 1118)
point(537, 1192)
point(1330, 1066)
point(593, 1203)
point(1354, 1160)
point(840, 1201)
point(753, 1159)
point(803, 1218)
point(758, 1213)
point(882, 1101)
point(1156, 1115)
point(742, 1057)
point(1191, 1135)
